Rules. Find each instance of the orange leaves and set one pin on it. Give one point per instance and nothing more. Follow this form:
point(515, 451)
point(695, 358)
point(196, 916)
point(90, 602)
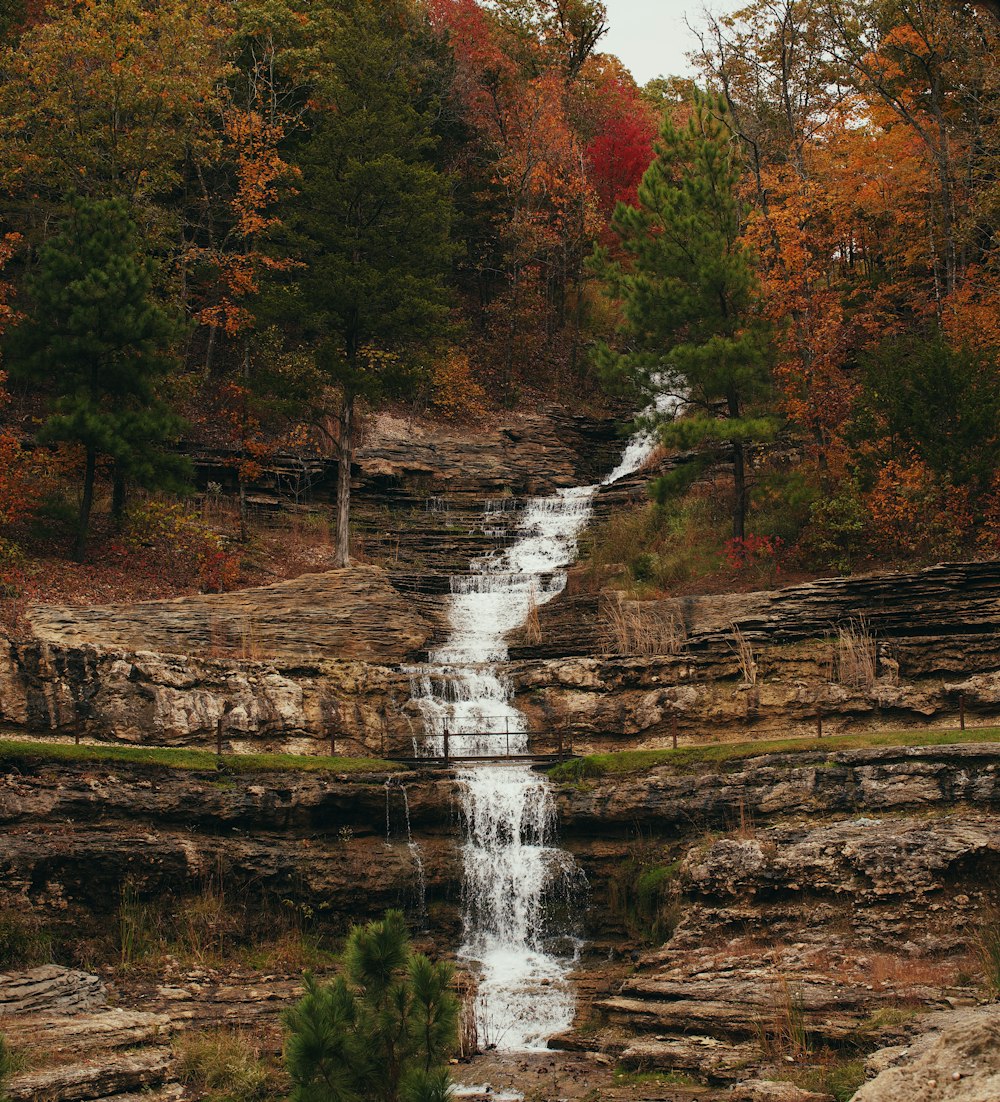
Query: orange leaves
point(19, 489)
point(9, 244)
point(259, 168)
point(456, 395)
point(911, 512)
point(114, 93)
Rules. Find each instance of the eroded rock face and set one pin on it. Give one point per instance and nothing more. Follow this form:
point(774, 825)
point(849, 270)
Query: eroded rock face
point(932, 635)
point(823, 902)
point(955, 1059)
point(74, 835)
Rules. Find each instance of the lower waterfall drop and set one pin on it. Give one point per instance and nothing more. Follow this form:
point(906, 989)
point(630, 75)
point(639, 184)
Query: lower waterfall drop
point(514, 876)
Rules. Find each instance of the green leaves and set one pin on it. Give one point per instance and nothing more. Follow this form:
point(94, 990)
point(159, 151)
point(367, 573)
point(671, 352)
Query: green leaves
point(98, 341)
point(382, 1031)
point(687, 286)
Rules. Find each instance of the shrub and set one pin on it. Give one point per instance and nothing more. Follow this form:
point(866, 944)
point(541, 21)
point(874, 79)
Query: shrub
point(167, 537)
point(23, 942)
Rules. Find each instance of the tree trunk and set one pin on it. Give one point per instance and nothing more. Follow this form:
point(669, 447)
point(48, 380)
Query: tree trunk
point(345, 456)
point(739, 471)
point(740, 488)
point(80, 547)
point(118, 495)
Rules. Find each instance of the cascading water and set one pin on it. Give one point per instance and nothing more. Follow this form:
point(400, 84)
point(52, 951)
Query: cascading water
point(513, 874)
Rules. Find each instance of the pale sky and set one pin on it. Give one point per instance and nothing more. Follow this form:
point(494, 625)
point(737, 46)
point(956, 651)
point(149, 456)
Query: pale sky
point(651, 37)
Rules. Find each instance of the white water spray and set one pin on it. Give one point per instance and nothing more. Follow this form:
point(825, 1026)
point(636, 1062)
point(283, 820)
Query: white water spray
point(513, 874)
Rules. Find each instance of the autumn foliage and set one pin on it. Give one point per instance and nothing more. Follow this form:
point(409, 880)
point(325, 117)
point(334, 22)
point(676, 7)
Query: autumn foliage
point(271, 156)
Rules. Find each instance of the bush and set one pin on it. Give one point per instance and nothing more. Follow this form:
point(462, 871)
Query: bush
point(165, 537)
point(381, 1031)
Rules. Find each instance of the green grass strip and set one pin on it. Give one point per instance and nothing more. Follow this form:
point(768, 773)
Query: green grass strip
point(690, 757)
point(13, 751)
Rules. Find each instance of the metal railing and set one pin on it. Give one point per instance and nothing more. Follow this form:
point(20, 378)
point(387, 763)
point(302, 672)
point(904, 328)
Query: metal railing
point(561, 741)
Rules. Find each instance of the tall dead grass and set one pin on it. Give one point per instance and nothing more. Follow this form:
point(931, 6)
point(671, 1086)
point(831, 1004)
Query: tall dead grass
point(856, 654)
point(745, 657)
point(635, 628)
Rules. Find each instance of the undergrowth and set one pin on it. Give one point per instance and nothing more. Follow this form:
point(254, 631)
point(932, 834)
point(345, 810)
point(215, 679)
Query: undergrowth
point(214, 926)
point(24, 943)
point(644, 894)
point(226, 1065)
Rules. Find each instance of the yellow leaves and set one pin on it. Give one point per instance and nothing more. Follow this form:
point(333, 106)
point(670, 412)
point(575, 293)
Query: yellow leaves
point(456, 395)
point(114, 90)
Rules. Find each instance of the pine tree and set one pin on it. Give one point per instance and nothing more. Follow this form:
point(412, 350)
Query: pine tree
point(372, 225)
point(99, 343)
point(687, 288)
point(381, 1031)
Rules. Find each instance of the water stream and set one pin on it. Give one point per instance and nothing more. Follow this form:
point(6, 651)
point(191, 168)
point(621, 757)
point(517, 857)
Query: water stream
point(518, 885)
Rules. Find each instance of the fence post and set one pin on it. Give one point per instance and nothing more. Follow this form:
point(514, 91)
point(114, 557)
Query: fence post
point(961, 711)
point(819, 723)
point(506, 723)
point(560, 747)
point(218, 735)
point(333, 744)
point(446, 755)
point(673, 729)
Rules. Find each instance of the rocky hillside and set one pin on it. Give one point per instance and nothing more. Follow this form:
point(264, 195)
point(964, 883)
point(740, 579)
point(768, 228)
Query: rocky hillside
point(878, 651)
point(781, 916)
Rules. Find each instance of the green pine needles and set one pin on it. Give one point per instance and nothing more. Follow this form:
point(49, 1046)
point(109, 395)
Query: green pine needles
point(380, 1032)
point(100, 341)
point(687, 289)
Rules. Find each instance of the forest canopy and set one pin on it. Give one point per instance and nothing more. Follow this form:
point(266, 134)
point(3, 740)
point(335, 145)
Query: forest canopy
point(317, 247)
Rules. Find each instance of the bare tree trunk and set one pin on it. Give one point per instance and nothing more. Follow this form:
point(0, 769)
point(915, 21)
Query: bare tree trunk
point(345, 456)
point(740, 488)
point(80, 547)
point(118, 495)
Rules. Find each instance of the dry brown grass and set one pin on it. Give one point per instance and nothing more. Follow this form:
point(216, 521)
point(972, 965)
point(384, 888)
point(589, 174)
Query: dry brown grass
point(741, 648)
point(633, 628)
point(856, 655)
point(532, 625)
point(887, 970)
point(781, 1025)
point(466, 988)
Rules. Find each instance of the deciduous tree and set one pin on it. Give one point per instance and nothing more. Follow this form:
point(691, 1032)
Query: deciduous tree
point(371, 225)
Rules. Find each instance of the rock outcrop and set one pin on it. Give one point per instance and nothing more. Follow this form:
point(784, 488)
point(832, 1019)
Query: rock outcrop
point(882, 651)
point(88, 1048)
point(811, 903)
point(955, 1058)
point(74, 834)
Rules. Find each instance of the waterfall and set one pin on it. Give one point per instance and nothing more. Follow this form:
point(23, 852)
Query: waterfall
point(514, 877)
